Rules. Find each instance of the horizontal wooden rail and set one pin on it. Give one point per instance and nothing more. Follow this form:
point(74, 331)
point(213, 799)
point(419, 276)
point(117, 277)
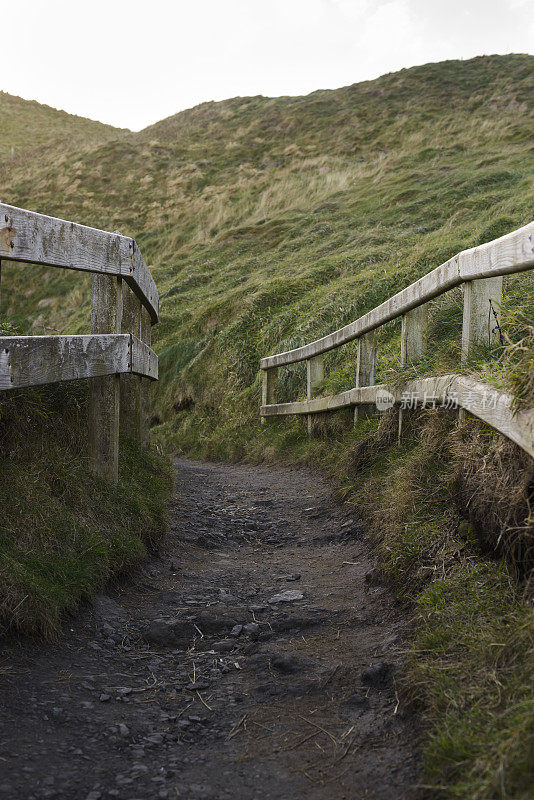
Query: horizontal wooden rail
point(116, 355)
point(448, 391)
point(511, 253)
point(37, 360)
point(35, 238)
point(479, 270)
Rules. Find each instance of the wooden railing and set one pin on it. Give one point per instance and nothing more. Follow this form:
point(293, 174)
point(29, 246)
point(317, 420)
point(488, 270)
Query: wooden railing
point(116, 355)
point(480, 270)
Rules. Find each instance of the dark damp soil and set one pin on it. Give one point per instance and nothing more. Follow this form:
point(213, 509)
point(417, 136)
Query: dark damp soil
point(253, 658)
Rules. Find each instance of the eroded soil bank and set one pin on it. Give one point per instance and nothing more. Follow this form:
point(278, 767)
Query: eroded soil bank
point(254, 658)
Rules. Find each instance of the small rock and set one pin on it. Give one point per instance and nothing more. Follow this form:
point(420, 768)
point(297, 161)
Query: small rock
point(288, 596)
point(108, 610)
point(223, 646)
point(251, 628)
point(379, 675)
point(124, 729)
point(296, 576)
point(197, 686)
point(374, 576)
point(94, 795)
point(286, 664)
point(236, 630)
point(356, 704)
point(104, 698)
point(169, 633)
point(155, 738)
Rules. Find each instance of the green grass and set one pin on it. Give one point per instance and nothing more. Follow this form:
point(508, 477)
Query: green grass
point(65, 532)
point(271, 222)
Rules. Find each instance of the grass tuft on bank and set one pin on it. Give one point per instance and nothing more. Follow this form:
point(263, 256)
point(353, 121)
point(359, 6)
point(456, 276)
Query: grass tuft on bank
point(65, 532)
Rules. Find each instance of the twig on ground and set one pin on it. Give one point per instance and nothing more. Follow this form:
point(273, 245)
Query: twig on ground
point(320, 728)
point(236, 727)
point(302, 741)
point(204, 702)
point(331, 676)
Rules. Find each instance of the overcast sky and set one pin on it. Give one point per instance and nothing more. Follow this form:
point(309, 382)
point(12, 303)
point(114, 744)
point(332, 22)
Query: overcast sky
point(133, 62)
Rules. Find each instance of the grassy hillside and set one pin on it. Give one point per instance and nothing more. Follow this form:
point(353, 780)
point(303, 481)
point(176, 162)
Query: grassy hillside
point(31, 132)
point(270, 222)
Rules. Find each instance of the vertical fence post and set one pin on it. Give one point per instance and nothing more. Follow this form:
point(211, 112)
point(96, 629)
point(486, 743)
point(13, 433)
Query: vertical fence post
point(314, 376)
point(268, 388)
point(130, 385)
point(365, 371)
point(482, 308)
point(145, 334)
point(106, 316)
point(413, 334)
point(414, 326)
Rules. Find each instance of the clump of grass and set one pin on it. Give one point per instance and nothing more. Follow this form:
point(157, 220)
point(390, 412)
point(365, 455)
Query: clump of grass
point(8, 329)
point(63, 531)
point(429, 504)
point(518, 361)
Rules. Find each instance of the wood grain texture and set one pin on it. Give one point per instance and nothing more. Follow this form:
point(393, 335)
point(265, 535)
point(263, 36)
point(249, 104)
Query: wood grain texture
point(511, 253)
point(104, 391)
point(481, 314)
point(314, 377)
point(414, 334)
point(37, 360)
point(130, 385)
point(38, 239)
point(144, 397)
point(144, 360)
point(488, 404)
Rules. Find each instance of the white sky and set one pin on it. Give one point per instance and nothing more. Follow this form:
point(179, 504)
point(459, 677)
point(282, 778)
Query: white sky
point(133, 62)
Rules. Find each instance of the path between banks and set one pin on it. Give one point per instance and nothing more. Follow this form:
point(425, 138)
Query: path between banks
point(254, 658)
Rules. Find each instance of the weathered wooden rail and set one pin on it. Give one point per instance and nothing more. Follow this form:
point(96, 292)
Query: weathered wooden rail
point(116, 356)
point(480, 271)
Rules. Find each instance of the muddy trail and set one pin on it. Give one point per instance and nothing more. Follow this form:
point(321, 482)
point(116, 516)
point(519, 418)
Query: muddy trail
point(253, 658)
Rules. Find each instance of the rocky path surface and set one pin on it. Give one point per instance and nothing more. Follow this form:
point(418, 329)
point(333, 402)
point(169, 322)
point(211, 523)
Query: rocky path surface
point(253, 659)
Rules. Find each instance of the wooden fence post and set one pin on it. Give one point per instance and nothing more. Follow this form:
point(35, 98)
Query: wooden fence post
point(365, 371)
point(413, 334)
point(130, 385)
point(268, 388)
point(482, 308)
point(144, 401)
point(414, 326)
point(106, 316)
point(314, 376)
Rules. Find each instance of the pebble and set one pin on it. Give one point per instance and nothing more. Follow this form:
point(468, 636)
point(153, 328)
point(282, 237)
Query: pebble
point(288, 596)
point(251, 628)
point(223, 646)
point(378, 675)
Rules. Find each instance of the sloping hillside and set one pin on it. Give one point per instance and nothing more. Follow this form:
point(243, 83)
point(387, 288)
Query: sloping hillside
point(271, 221)
point(30, 131)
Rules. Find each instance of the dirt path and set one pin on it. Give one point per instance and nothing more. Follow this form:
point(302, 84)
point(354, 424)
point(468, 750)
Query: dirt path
point(195, 681)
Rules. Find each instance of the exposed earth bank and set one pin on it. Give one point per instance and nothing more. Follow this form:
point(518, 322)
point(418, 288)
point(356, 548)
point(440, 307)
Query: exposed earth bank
point(253, 658)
